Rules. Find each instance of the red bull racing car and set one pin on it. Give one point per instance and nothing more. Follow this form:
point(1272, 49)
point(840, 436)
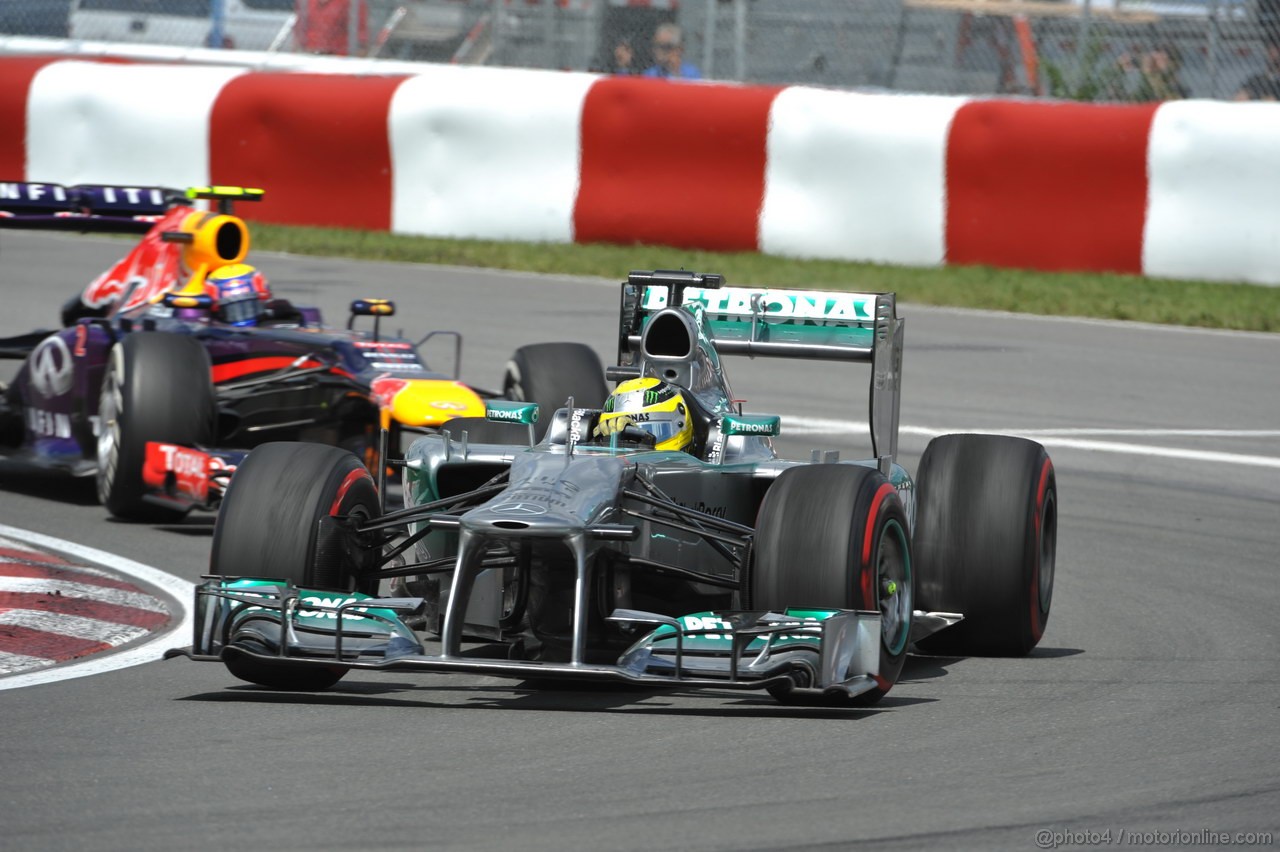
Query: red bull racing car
point(176, 361)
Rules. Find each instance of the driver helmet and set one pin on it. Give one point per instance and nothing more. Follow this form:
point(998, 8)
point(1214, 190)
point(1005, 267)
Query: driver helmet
point(239, 293)
point(654, 406)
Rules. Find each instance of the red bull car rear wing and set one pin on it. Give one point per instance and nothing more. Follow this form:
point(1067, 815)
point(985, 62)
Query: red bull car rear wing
point(88, 207)
point(104, 208)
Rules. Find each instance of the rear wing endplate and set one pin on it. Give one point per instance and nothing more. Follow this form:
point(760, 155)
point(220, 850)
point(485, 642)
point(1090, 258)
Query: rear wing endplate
point(782, 323)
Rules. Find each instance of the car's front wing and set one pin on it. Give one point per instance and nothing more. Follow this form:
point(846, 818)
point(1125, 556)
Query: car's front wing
point(833, 652)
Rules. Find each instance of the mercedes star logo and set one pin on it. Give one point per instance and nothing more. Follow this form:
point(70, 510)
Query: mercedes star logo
point(520, 509)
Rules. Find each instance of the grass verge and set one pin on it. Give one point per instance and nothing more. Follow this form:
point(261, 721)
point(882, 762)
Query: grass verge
point(1124, 297)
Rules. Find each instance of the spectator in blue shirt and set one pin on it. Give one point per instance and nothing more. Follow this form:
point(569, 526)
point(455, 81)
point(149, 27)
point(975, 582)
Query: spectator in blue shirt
point(668, 55)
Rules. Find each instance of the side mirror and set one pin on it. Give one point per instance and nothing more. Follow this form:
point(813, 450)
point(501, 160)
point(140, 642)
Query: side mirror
point(187, 300)
point(505, 411)
point(519, 413)
point(376, 308)
point(373, 308)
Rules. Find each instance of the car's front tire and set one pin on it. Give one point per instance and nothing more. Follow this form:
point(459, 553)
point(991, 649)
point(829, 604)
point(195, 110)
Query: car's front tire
point(835, 537)
point(269, 526)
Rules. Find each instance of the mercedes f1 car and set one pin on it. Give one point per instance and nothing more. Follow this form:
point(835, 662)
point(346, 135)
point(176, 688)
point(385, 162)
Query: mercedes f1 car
point(176, 361)
point(719, 566)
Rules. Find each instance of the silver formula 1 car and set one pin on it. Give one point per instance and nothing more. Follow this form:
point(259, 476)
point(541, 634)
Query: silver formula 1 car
point(606, 559)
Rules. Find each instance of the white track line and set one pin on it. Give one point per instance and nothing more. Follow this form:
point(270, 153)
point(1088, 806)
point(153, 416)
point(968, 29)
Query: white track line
point(1064, 438)
point(178, 633)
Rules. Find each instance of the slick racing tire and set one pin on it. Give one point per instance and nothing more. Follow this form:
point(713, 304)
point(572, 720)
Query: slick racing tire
point(550, 373)
point(985, 541)
point(269, 526)
point(157, 387)
point(835, 537)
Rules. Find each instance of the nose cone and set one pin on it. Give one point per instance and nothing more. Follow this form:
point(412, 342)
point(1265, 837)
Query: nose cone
point(515, 516)
point(548, 497)
point(427, 402)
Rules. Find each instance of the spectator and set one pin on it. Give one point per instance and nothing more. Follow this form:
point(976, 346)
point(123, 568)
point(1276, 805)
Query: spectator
point(1158, 71)
point(622, 59)
point(1265, 85)
point(668, 55)
point(324, 26)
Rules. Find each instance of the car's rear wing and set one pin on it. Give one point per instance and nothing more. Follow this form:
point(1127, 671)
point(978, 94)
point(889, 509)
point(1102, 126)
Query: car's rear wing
point(85, 207)
point(779, 322)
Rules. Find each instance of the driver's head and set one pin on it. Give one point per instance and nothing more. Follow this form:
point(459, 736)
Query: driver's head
point(239, 294)
point(654, 406)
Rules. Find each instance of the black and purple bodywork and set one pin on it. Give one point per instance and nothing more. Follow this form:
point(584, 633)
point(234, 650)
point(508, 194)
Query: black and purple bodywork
point(72, 406)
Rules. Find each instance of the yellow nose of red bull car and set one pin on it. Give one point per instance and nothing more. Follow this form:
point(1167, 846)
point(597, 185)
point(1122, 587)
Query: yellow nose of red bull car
point(426, 402)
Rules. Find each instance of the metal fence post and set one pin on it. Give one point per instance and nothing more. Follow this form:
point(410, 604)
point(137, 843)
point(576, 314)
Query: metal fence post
point(709, 40)
point(549, 34)
point(1212, 48)
point(1082, 47)
point(497, 27)
point(740, 40)
point(353, 26)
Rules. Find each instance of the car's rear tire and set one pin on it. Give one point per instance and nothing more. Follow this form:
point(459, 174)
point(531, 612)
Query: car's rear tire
point(269, 527)
point(835, 537)
point(550, 373)
point(985, 542)
point(157, 387)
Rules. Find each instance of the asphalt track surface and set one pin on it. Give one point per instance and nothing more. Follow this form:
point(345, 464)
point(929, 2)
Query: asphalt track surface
point(1150, 706)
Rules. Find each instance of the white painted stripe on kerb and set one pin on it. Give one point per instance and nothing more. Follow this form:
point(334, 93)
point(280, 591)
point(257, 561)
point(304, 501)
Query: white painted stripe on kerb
point(95, 122)
point(490, 153)
point(36, 558)
point(857, 176)
point(75, 626)
point(179, 632)
point(1063, 438)
point(19, 662)
point(43, 585)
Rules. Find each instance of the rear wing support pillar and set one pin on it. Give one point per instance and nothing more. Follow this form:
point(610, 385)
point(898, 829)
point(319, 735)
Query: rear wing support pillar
point(886, 381)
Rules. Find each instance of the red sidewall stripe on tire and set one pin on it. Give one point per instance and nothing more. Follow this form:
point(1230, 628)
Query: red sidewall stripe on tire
point(1037, 626)
point(868, 572)
point(351, 479)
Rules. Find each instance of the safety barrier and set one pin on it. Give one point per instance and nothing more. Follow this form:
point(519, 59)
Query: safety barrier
point(1181, 189)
